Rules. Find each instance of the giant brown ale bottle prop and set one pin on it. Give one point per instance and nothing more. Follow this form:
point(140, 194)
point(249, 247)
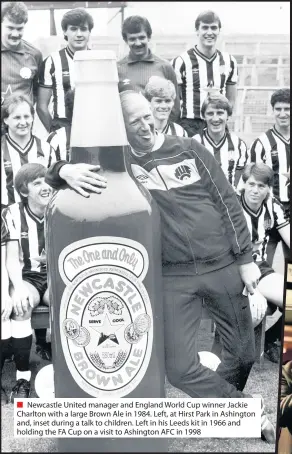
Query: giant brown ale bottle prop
point(104, 264)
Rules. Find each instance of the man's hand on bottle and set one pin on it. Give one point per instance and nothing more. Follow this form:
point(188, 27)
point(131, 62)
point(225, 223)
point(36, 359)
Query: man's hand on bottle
point(250, 274)
point(83, 178)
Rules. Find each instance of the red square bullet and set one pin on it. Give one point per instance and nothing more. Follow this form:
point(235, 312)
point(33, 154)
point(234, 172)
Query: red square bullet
point(19, 404)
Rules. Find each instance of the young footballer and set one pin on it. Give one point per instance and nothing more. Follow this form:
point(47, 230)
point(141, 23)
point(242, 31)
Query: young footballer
point(161, 95)
point(227, 148)
point(263, 214)
point(26, 265)
point(57, 72)
point(18, 145)
point(273, 147)
point(201, 69)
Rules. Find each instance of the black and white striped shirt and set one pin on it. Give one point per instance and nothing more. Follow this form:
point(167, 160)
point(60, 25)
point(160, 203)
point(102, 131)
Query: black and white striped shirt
point(173, 129)
point(274, 150)
point(59, 142)
point(230, 152)
point(26, 228)
point(196, 74)
point(268, 216)
point(57, 73)
point(13, 157)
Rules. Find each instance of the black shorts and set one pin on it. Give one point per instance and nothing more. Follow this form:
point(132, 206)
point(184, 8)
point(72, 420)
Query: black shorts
point(265, 269)
point(38, 280)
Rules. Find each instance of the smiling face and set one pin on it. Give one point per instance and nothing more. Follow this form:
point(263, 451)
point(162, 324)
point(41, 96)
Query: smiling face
point(20, 120)
point(208, 34)
point(216, 119)
point(138, 44)
point(77, 36)
point(161, 107)
point(255, 192)
point(139, 123)
point(38, 193)
point(281, 112)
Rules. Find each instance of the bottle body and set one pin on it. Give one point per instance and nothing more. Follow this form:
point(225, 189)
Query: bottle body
point(104, 262)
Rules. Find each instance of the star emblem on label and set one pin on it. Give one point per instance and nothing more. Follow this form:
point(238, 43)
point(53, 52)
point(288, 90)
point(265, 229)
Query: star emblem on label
point(108, 330)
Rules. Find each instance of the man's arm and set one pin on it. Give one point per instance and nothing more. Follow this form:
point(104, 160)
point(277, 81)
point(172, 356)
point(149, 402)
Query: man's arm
point(232, 81)
point(39, 60)
point(6, 301)
point(21, 297)
point(42, 108)
point(231, 94)
point(45, 92)
point(242, 161)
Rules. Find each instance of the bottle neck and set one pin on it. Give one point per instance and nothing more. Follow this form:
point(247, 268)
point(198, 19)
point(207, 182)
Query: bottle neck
point(109, 158)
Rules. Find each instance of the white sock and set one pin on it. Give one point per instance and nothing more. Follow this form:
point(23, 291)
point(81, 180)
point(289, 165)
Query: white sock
point(5, 329)
point(23, 374)
point(21, 328)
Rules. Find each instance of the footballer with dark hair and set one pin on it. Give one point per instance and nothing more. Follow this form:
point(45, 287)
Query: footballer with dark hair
point(26, 266)
point(140, 64)
point(273, 146)
point(57, 72)
point(202, 69)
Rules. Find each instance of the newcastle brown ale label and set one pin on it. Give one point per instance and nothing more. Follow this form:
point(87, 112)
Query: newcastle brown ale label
point(106, 319)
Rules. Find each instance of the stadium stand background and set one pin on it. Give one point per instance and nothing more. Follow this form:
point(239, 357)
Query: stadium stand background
point(263, 62)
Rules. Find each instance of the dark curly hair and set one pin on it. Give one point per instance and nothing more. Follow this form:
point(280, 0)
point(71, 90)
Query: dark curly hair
point(134, 24)
point(281, 95)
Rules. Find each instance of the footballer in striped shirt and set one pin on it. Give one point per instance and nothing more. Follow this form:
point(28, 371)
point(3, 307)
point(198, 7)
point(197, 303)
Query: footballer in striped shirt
point(227, 148)
point(59, 140)
point(204, 69)
point(26, 264)
point(18, 145)
point(273, 147)
point(57, 72)
point(161, 95)
point(263, 214)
